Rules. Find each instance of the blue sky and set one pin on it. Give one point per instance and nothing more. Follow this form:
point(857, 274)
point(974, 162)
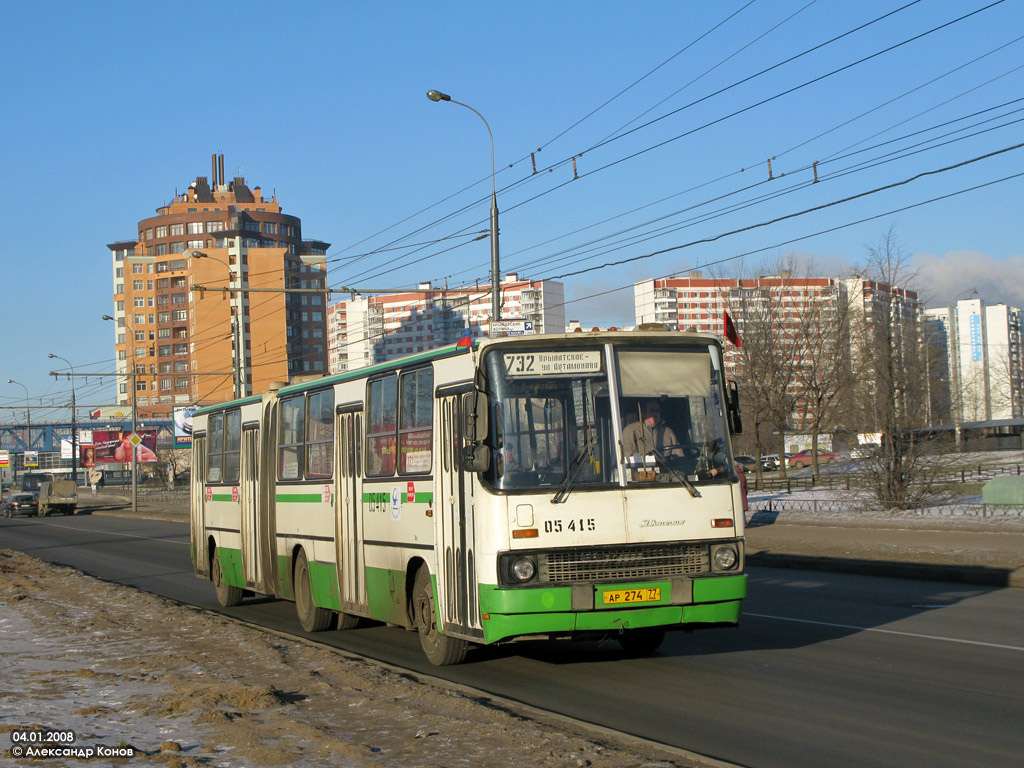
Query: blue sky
point(671, 110)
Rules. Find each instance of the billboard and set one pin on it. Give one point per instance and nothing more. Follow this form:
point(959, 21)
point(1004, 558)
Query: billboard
point(115, 447)
point(183, 426)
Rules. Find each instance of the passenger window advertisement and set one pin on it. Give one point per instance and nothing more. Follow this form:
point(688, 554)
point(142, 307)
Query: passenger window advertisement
point(115, 446)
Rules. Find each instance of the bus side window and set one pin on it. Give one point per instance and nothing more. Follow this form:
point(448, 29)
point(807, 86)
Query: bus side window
point(320, 435)
point(215, 448)
point(232, 445)
point(416, 421)
point(382, 404)
point(290, 448)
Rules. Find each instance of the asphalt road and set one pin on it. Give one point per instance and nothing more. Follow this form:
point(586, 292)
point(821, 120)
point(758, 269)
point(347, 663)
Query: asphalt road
point(826, 669)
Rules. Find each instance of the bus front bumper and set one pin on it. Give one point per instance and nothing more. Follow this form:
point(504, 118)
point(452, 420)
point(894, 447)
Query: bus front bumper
point(679, 603)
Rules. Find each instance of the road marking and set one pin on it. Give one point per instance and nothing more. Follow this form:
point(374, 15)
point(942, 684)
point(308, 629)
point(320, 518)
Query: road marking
point(114, 533)
point(888, 632)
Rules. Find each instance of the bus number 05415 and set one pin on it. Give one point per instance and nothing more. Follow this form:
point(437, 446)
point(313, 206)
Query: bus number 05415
point(579, 526)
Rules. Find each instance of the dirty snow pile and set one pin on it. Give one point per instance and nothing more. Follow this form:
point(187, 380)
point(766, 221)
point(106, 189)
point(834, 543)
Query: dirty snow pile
point(180, 687)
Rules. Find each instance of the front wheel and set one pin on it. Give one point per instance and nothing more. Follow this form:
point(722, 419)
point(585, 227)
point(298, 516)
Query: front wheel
point(440, 650)
point(227, 595)
point(311, 617)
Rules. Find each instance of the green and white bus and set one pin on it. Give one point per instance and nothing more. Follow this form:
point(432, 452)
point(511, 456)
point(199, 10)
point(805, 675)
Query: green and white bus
point(481, 493)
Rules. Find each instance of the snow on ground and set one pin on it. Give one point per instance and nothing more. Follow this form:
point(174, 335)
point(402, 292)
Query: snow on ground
point(187, 689)
point(834, 504)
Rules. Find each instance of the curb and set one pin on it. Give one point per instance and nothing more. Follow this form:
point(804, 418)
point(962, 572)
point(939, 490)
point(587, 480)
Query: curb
point(964, 574)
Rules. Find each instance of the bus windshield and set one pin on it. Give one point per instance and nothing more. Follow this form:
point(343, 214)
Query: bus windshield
point(672, 415)
point(555, 421)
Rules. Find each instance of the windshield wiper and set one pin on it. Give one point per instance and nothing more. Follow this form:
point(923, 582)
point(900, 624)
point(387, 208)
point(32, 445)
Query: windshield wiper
point(677, 472)
point(565, 487)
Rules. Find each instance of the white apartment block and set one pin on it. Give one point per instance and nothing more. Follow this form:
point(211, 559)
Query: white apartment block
point(697, 303)
point(366, 330)
point(984, 358)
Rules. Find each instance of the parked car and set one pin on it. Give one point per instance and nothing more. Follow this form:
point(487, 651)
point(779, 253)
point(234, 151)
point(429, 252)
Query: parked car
point(747, 462)
point(770, 463)
point(21, 503)
point(806, 458)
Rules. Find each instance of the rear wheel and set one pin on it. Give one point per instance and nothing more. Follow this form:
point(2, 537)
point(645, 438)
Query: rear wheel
point(227, 595)
point(311, 617)
point(440, 650)
point(641, 642)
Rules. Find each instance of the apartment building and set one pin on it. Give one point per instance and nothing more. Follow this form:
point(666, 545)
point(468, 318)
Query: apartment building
point(784, 307)
point(218, 296)
point(366, 330)
point(980, 346)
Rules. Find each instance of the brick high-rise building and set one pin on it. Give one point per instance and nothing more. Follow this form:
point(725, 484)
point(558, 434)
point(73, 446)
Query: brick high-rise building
point(225, 237)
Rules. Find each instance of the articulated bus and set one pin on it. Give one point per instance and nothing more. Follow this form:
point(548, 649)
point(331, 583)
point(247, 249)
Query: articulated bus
point(482, 493)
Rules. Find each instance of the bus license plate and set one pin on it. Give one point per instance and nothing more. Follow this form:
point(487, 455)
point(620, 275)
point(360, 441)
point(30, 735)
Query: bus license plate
point(623, 596)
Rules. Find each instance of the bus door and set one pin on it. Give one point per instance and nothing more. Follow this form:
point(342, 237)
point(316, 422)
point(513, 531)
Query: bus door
point(200, 552)
point(252, 554)
point(265, 490)
point(348, 508)
point(454, 526)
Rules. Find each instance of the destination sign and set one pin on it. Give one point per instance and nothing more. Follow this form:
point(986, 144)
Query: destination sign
point(567, 363)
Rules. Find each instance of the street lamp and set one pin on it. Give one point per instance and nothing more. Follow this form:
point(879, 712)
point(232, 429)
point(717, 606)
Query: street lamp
point(74, 425)
point(135, 485)
point(28, 422)
point(495, 271)
point(236, 320)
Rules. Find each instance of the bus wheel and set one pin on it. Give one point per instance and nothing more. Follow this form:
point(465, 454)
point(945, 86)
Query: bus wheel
point(227, 595)
point(441, 650)
point(312, 618)
point(347, 621)
point(641, 642)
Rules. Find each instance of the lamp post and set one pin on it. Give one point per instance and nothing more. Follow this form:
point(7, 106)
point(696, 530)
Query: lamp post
point(28, 421)
point(135, 485)
point(74, 424)
point(236, 322)
point(495, 270)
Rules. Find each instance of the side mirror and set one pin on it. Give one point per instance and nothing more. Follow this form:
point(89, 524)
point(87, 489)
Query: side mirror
point(474, 416)
point(476, 458)
point(732, 395)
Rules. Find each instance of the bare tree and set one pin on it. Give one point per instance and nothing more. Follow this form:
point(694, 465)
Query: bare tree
point(903, 471)
point(764, 364)
point(824, 367)
point(172, 463)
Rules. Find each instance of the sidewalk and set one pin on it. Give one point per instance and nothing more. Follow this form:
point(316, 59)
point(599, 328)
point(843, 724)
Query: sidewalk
point(988, 552)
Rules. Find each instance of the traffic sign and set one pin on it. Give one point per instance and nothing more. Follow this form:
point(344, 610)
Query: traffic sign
point(512, 328)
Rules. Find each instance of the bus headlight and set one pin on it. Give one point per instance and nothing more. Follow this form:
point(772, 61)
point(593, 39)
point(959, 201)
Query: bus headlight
point(524, 569)
point(725, 558)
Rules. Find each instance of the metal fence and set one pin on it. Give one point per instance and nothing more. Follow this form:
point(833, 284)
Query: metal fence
point(764, 510)
point(851, 479)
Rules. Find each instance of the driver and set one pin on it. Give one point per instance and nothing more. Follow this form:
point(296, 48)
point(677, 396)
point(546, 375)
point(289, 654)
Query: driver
point(642, 437)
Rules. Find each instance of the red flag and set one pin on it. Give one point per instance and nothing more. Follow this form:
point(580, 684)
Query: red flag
point(730, 331)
